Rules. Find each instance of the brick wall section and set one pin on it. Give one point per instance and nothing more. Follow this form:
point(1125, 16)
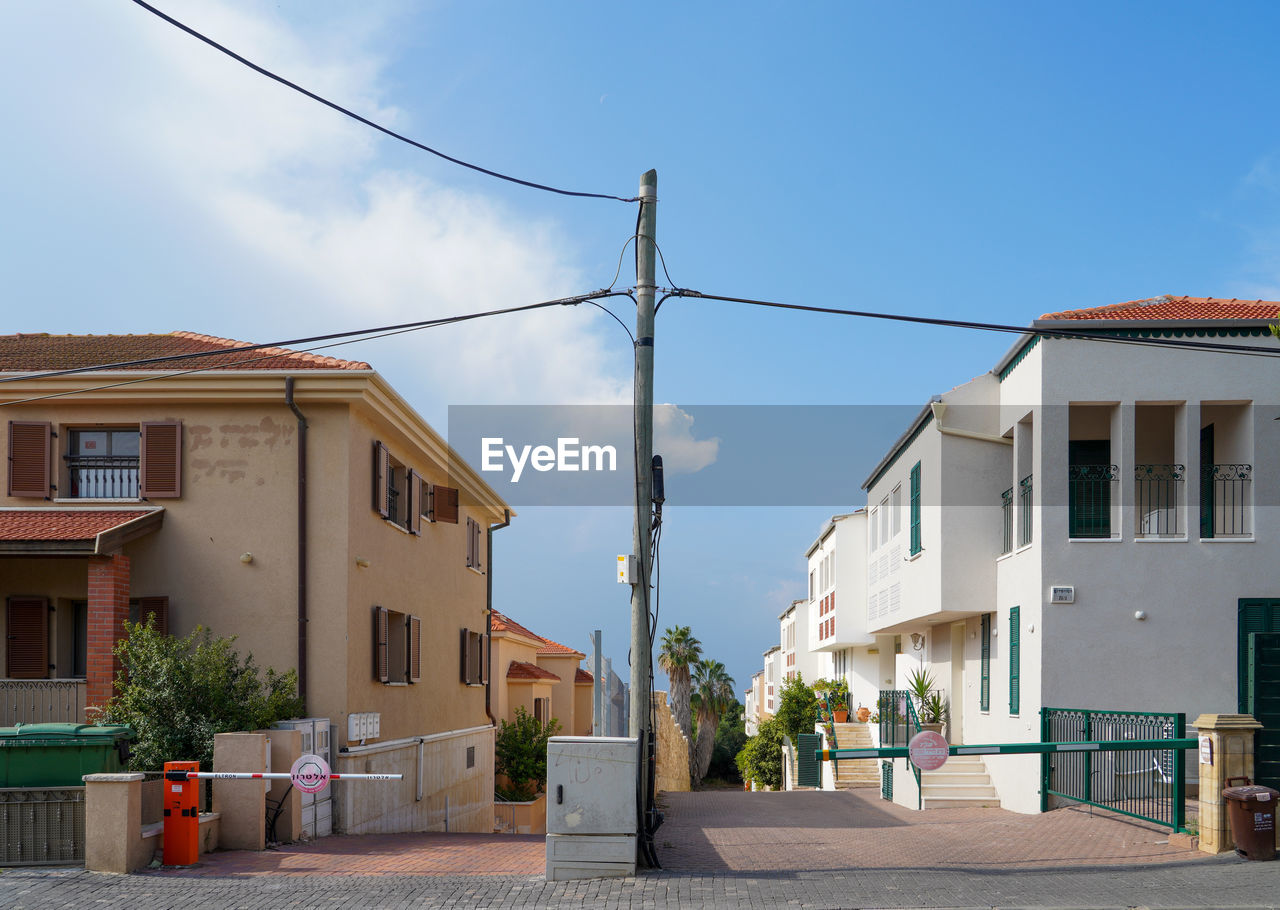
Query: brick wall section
point(108, 609)
point(673, 749)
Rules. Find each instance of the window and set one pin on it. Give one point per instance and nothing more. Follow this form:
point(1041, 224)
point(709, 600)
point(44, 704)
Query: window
point(984, 693)
point(397, 491)
point(474, 545)
point(813, 584)
point(875, 523)
point(1014, 687)
point(101, 463)
point(397, 647)
point(471, 756)
point(895, 499)
point(473, 668)
point(542, 710)
point(915, 510)
point(884, 519)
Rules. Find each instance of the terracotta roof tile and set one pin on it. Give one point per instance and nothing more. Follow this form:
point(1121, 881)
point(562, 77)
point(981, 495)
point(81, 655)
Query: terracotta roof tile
point(40, 352)
point(63, 524)
point(519, 670)
point(581, 677)
point(555, 649)
point(548, 648)
point(1173, 308)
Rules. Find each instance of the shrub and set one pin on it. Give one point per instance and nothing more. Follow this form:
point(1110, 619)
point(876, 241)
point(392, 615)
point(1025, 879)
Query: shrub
point(178, 692)
point(797, 709)
point(520, 753)
point(761, 758)
point(731, 736)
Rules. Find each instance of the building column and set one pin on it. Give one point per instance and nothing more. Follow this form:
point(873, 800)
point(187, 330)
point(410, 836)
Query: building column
point(1229, 754)
point(108, 610)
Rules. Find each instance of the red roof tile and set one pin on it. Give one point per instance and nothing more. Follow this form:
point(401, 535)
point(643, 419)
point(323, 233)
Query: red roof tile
point(40, 352)
point(1174, 308)
point(548, 648)
point(555, 649)
point(519, 670)
point(63, 524)
point(582, 677)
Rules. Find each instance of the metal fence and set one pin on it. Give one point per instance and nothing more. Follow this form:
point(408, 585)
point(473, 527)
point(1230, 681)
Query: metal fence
point(41, 827)
point(1224, 500)
point(1148, 784)
point(41, 701)
point(1158, 494)
point(898, 723)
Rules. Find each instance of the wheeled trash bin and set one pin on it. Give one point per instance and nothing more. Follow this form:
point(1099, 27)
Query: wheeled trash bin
point(1251, 809)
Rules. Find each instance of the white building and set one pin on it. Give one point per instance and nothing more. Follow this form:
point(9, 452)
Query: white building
point(772, 682)
point(795, 655)
point(1137, 482)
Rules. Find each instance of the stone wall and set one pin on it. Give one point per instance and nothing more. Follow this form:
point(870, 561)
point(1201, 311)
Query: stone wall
point(673, 748)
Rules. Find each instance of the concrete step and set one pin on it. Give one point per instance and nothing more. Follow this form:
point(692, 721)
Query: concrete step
point(962, 782)
point(960, 802)
point(973, 778)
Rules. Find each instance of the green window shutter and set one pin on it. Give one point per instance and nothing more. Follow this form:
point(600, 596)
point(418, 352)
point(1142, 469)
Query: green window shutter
point(915, 509)
point(1014, 693)
point(1255, 614)
point(984, 694)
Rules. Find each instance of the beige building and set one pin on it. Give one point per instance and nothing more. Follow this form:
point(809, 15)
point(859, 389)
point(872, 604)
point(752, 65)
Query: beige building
point(540, 675)
point(295, 501)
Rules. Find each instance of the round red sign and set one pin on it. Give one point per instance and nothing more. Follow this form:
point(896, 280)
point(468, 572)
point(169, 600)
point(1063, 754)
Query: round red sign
point(310, 773)
point(927, 750)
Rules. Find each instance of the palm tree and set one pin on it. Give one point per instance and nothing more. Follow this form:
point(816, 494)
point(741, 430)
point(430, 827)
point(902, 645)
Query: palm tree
point(712, 695)
point(679, 652)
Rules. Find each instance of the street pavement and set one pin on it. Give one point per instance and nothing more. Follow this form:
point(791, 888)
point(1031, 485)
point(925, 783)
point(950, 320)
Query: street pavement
point(718, 849)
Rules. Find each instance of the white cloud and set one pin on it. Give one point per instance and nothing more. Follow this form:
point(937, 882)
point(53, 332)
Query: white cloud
point(673, 436)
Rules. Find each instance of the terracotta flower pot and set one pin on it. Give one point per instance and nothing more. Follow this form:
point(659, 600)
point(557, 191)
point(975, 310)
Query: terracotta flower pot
point(841, 716)
point(863, 715)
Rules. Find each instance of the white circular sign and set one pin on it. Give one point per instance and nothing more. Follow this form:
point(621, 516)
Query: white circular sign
point(310, 773)
point(928, 750)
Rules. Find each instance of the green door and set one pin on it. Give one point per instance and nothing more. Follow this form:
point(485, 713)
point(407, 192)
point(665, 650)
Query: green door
point(1264, 704)
point(1259, 616)
point(809, 769)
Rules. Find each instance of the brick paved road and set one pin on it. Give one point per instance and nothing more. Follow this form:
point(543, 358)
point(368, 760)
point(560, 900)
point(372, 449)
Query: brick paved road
point(725, 850)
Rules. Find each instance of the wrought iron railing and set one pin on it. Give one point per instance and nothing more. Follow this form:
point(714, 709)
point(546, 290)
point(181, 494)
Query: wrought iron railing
point(1158, 495)
point(898, 723)
point(103, 476)
point(1090, 491)
point(41, 701)
point(1006, 515)
point(1024, 511)
point(1224, 500)
point(1145, 784)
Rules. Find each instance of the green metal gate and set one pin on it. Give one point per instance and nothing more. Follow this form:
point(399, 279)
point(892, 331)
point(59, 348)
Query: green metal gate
point(1263, 693)
point(808, 768)
point(1148, 784)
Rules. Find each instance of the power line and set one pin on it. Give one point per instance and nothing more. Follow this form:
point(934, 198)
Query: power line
point(367, 122)
point(1096, 335)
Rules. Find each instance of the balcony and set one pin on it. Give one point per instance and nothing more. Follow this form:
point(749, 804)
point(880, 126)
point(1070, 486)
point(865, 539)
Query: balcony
point(1024, 511)
point(1090, 492)
point(1224, 501)
point(103, 476)
point(1006, 515)
point(1157, 495)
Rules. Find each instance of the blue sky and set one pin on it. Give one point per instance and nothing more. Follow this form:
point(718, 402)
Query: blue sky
point(989, 161)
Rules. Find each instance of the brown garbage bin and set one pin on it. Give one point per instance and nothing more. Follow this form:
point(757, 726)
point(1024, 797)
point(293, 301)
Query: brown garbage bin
point(1252, 811)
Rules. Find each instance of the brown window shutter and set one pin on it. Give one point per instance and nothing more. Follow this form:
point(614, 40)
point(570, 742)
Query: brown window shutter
point(413, 490)
point(160, 464)
point(27, 647)
point(159, 606)
point(446, 503)
point(486, 644)
point(465, 655)
point(381, 644)
point(30, 445)
point(381, 468)
point(415, 649)
point(471, 545)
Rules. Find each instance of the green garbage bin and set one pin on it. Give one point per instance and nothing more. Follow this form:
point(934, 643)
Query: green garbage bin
point(59, 755)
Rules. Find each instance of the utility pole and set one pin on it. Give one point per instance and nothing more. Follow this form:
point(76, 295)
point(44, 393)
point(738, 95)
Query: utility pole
point(641, 646)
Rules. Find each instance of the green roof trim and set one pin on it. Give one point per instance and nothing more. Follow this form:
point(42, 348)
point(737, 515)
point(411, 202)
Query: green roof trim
point(1197, 332)
point(1018, 358)
point(902, 447)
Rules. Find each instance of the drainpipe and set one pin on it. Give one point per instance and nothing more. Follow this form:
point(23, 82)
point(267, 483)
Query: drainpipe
point(488, 615)
point(939, 408)
point(302, 542)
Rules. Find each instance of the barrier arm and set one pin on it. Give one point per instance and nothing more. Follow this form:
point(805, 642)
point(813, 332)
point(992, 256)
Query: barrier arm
point(1120, 745)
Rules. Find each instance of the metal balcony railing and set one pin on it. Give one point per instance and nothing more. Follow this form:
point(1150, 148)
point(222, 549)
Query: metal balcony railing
point(1158, 494)
point(1224, 500)
point(1024, 511)
point(41, 701)
point(1006, 514)
point(103, 476)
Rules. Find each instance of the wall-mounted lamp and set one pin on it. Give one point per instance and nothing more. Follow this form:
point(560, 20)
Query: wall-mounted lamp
point(917, 641)
point(361, 562)
point(1140, 615)
point(246, 558)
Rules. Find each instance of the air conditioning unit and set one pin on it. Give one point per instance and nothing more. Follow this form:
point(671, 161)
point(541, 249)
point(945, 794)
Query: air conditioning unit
point(1062, 594)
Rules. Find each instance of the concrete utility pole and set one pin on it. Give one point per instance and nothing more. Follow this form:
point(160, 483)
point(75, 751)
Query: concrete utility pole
point(641, 646)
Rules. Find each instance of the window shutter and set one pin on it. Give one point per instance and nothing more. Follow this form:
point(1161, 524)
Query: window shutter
point(446, 504)
point(27, 647)
point(466, 657)
point(159, 606)
point(1014, 683)
point(471, 543)
point(30, 445)
point(415, 649)
point(915, 510)
point(486, 644)
point(381, 468)
point(413, 490)
point(984, 694)
point(381, 636)
point(160, 464)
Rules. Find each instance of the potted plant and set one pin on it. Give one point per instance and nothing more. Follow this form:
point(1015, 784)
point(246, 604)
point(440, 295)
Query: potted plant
point(933, 713)
point(839, 707)
point(930, 705)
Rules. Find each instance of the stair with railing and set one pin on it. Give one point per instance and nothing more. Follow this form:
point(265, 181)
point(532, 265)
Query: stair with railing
point(962, 782)
point(856, 772)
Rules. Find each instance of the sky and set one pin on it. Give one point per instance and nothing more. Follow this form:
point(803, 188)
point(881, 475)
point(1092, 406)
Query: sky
point(982, 161)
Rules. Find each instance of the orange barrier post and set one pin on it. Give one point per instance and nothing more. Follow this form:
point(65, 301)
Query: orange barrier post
point(181, 814)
